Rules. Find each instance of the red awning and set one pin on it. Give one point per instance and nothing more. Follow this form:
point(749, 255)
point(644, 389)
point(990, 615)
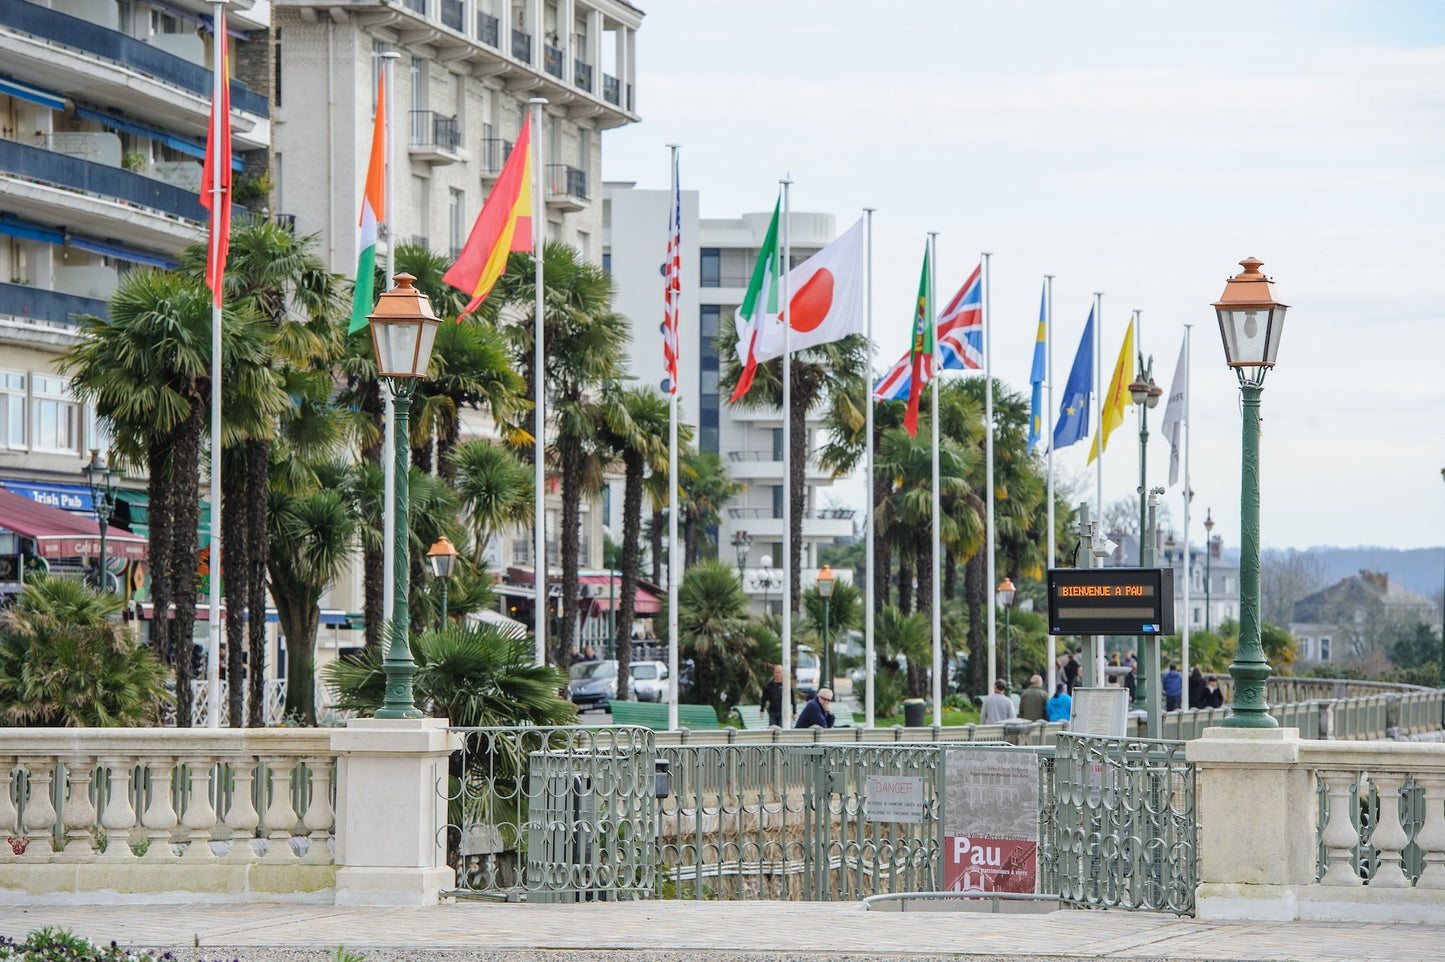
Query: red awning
point(61, 534)
point(647, 603)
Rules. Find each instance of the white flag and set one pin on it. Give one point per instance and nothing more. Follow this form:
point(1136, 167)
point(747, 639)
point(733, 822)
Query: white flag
point(1174, 414)
point(826, 299)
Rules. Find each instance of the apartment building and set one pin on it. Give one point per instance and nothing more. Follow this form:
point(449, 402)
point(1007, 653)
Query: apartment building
point(717, 259)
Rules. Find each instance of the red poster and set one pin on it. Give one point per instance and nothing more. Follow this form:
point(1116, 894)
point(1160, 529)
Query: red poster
point(982, 864)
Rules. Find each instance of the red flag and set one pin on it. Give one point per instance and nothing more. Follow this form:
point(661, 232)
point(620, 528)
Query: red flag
point(503, 226)
point(218, 153)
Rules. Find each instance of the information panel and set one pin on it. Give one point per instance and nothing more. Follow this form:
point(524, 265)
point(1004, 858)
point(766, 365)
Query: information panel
point(1111, 601)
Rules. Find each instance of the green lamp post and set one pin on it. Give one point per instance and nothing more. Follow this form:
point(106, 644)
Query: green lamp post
point(1145, 394)
point(403, 330)
point(825, 591)
point(1006, 592)
point(1251, 322)
point(443, 561)
point(103, 482)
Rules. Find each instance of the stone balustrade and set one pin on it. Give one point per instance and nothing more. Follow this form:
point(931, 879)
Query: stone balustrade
point(166, 814)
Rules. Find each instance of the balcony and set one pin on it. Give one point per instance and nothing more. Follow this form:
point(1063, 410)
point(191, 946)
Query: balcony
point(522, 45)
point(488, 29)
point(612, 90)
point(48, 167)
point(18, 300)
point(452, 14)
point(495, 152)
point(104, 44)
point(566, 187)
point(552, 60)
point(435, 138)
point(582, 74)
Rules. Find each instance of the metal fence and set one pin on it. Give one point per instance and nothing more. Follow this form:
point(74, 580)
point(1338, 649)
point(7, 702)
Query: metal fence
point(1125, 832)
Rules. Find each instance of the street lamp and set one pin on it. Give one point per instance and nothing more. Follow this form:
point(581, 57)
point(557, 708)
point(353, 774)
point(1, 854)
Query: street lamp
point(1005, 601)
point(741, 544)
point(1251, 322)
point(825, 591)
point(765, 579)
point(1208, 553)
point(443, 560)
point(103, 482)
point(1144, 393)
point(403, 329)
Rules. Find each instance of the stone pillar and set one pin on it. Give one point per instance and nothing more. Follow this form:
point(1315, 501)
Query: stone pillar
point(391, 811)
point(1257, 810)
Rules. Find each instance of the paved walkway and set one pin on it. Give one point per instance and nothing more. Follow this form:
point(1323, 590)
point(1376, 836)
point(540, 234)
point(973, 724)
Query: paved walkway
point(705, 931)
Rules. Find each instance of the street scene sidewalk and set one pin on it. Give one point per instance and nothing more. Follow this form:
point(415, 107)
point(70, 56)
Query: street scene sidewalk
point(657, 930)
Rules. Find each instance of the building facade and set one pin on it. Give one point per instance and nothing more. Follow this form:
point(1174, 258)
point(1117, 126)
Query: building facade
point(1355, 617)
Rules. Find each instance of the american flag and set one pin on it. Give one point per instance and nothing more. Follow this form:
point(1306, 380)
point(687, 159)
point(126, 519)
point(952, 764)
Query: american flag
point(960, 327)
point(672, 271)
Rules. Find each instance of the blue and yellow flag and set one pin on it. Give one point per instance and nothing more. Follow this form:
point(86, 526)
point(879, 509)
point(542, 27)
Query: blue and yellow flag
point(1036, 377)
point(1073, 422)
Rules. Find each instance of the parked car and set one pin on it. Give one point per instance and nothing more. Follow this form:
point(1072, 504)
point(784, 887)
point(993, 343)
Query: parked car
point(592, 684)
point(649, 681)
point(805, 674)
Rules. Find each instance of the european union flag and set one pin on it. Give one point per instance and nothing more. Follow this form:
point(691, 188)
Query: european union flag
point(1036, 376)
point(1073, 423)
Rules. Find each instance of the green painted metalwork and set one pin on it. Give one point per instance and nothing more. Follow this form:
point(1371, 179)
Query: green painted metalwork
point(397, 663)
point(1124, 831)
point(554, 814)
point(1250, 671)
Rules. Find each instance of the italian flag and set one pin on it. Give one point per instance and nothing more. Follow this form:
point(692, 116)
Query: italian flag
point(759, 303)
point(373, 212)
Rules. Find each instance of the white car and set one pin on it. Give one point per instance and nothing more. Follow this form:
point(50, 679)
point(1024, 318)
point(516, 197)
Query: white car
point(649, 681)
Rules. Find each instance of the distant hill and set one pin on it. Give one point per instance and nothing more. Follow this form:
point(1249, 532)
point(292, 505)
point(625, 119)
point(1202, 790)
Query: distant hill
point(1422, 570)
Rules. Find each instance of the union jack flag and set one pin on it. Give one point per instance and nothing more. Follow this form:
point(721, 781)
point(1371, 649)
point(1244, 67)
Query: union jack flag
point(960, 326)
point(672, 272)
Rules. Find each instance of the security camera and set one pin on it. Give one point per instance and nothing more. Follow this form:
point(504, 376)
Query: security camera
point(1103, 546)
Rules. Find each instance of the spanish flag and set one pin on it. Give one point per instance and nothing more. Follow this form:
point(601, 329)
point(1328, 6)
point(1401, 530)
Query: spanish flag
point(373, 212)
point(216, 196)
point(504, 225)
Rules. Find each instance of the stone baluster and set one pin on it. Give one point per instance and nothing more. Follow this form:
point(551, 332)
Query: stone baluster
point(39, 812)
point(9, 814)
point(241, 817)
point(1432, 834)
point(280, 815)
point(1389, 837)
point(200, 816)
point(1340, 835)
point(319, 816)
point(78, 813)
point(118, 818)
point(159, 817)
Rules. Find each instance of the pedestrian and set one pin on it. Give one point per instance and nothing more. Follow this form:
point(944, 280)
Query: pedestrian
point(997, 707)
point(1173, 687)
point(1071, 672)
point(1061, 706)
point(1196, 689)
point(1212, 697)
point(772, 698)
point(817, 713)
point(1131, 684)
point(1033, 701)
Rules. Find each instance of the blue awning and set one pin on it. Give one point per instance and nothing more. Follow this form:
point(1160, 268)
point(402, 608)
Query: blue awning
point(70, 497)
point(113, 249)
point(173, 141)
point(36, 95)
point(12, 226)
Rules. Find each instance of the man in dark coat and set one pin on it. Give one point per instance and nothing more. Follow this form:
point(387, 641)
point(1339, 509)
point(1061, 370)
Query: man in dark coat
point(818, 712)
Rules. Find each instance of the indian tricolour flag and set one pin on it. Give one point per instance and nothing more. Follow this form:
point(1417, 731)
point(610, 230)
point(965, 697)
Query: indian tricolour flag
point(373, 212)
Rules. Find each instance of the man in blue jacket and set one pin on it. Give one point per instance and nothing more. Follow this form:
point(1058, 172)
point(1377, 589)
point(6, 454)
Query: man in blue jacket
point(1173, 688)
point(817, 712)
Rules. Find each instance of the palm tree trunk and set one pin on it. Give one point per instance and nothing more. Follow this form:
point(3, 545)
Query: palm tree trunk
point(975, 594)
point(797, 473)
point(569, 539)
point(299, 620)
point(258, 467)
point(631, 555)
point(689, 538)
point(162, 539)
point(236, 566)
point(184, 554)
point(905, 579)
point(882, 546)
point(950, 576)
point(659, 519)
point(923, 551)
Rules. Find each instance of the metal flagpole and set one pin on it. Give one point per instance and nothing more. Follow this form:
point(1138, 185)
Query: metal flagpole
point(1188, 496)
point(1053, 653)
point(1098, 641)
point(539, 421)
point(868, 588)
point(213, 653)
point(935, 509)
point(1144, 533)
point(388, 438)
point(787, 464)
point(674, 567)
point(988, 474)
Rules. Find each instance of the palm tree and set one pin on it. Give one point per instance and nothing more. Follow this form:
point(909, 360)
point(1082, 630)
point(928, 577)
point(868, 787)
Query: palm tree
point(66, 661)
point(829, 374)
point(470, 367)
point(584, 340)
point(713, 629)
point(704, 489)
point(493, 487)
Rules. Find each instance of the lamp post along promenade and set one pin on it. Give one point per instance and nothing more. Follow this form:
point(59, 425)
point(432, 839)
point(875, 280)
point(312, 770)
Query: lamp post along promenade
point(825, 591)
point(443, 561)
point(1005, 600)
point(103, 483)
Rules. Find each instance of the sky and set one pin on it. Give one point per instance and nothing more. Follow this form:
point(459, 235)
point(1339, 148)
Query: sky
point(1141, 149)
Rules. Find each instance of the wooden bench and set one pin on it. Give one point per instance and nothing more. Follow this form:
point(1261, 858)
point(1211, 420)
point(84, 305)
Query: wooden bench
point(654, 715)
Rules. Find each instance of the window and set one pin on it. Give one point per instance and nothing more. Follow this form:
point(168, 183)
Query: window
point(456, 220)
point(459, 100)
point(777, 444)
point(55, 416)
point(1324, 649)
point(709, 273)
point(276, 80)
point(778, 500)
point(1198, 616)
point(420, 99)
point(377, 66)
point(12, 408)
point(421, 209)
point(606, 261)
point(584, 148)
point(584, 245)
point(606, 498)
point(521, 551)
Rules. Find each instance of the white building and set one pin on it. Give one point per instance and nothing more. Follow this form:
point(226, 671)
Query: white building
point(717, 260)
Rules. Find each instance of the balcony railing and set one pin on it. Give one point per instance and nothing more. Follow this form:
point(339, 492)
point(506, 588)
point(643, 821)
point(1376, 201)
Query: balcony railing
point(418, 240)
point(495, 152)
point(611, 89)
point(83, 175)
point(522, 45)
point(552, 60)
point(431, 129)
point(112, 45)
point(18, 300)
point(417, 5)
point(452, 14)
point(563, 180)
point(487, 29)
point(582, 74)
